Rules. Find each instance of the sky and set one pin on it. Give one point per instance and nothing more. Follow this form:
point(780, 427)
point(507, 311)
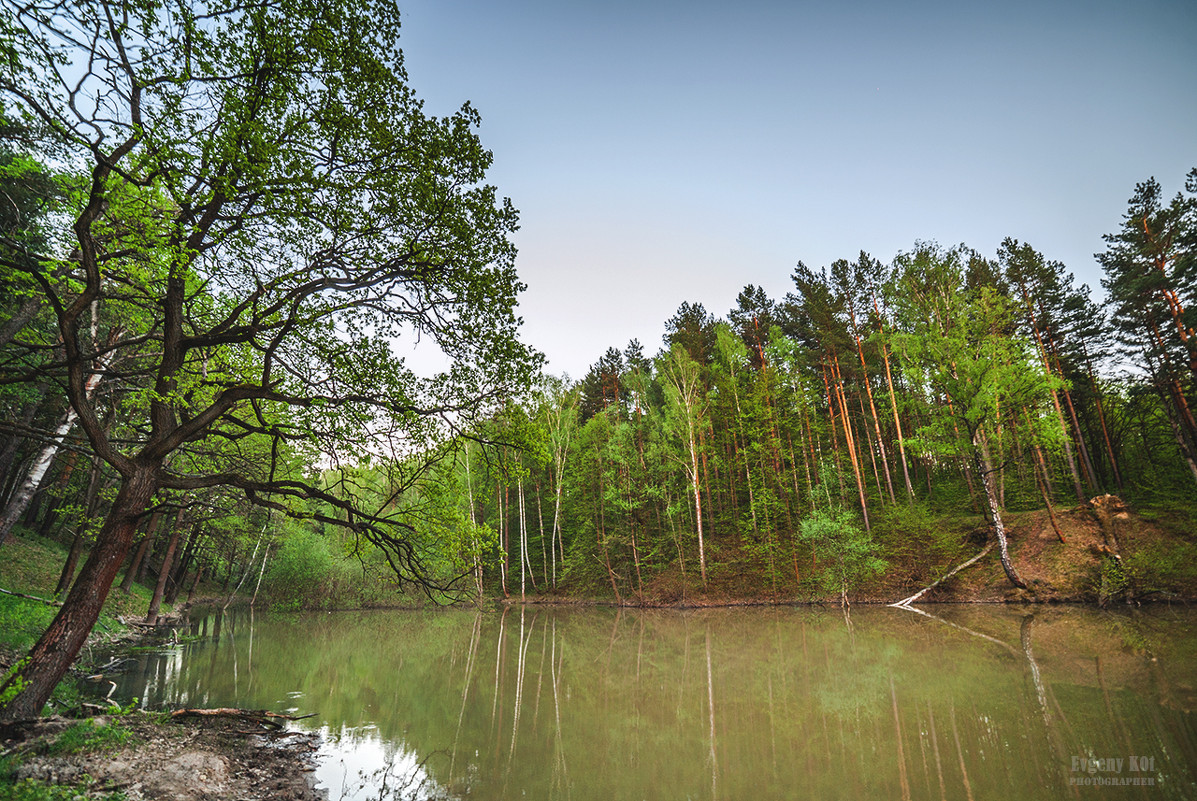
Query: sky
point(664, 151)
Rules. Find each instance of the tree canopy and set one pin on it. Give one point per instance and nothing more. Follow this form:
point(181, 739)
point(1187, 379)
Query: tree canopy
point(266, 211)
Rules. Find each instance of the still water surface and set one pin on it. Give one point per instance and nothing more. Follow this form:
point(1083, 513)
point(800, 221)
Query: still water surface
point(545, 703)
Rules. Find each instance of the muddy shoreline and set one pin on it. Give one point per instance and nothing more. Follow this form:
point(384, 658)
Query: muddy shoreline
point(158, 757)
point(188, 760)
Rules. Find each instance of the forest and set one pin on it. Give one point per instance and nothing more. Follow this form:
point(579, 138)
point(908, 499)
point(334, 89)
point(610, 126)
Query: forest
point(207, 268)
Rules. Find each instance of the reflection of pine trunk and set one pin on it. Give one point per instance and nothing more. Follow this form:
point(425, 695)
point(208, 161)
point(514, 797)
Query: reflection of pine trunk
point(521, 659)
point(711, 722)
point(968, 789)
point(494, 708)
point(903, 780)
point(943, 792)
point(1116, 723)
point(560, 772)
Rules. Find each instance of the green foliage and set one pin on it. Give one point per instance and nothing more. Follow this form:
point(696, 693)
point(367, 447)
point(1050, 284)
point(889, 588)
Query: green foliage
point(301, 571)
point(31, 565)
point(33, 790)
point(1162, 567)
point(22, 621)
point(1114, 581)
point(912, 533)
point(11, 691)
point(90, 736)
point(845, 553)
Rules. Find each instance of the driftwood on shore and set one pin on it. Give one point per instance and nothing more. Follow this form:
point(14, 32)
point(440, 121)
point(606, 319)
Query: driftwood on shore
point(271, 720)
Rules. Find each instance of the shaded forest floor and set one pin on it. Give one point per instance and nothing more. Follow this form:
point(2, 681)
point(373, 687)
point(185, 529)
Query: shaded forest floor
point(1099, 552)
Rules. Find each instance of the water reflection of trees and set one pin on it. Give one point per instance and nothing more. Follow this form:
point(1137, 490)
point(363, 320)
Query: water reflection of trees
point(705, 704)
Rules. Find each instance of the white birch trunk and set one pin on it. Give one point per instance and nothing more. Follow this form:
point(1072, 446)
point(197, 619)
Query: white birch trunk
point(41, 464)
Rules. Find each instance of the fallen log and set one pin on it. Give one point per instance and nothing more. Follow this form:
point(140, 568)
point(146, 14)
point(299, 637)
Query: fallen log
point(46, 601)
point(906, 602)
point(270, 720)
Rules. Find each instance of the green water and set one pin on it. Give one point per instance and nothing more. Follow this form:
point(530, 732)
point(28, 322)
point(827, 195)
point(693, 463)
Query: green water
point(545, 703)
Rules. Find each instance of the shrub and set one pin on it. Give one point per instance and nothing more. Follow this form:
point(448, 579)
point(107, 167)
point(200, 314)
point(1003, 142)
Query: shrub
point(845, 553)
point(301, 571)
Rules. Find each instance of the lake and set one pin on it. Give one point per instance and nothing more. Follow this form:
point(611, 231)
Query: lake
point(959, 702)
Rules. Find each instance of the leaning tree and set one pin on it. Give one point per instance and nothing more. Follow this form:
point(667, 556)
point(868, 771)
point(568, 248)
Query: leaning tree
point(267, 211)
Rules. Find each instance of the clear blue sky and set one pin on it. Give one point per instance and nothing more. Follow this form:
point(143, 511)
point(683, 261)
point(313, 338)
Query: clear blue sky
point(665, 151)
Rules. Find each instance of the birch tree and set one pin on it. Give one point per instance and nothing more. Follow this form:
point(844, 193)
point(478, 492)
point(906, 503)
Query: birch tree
point(685, 413)
point(957, 345)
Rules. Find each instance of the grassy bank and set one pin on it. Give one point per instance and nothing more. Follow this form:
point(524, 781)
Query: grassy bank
point(31, 566)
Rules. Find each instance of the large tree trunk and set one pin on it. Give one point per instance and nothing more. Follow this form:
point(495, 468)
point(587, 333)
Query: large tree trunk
point(60, 644)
